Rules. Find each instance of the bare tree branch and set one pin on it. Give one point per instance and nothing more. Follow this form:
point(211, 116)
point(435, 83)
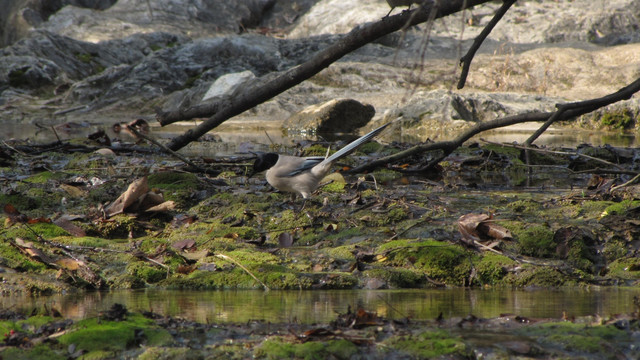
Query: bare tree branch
point(272, 85)
point(465, 61)
point(589, 105)
point(565, 112)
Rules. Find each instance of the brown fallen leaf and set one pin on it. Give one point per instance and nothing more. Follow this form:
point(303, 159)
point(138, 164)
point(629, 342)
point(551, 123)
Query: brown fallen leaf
point(467, 225)
point(69, 226)
point(183, 244)
point(135, 190)
point(494, 230)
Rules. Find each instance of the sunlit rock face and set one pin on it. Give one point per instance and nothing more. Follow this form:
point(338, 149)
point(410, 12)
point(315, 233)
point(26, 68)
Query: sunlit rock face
point(134, 55)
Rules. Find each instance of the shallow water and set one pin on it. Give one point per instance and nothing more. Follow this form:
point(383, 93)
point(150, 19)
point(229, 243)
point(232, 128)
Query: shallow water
point(238, 137)
point(321, 306)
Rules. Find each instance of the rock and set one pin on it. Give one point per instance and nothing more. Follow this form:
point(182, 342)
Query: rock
point(334, 116)
point(128, 17)
point(225, 84)
point(18, 18)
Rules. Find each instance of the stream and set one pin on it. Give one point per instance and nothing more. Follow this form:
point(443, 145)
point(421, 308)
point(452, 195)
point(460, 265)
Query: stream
point(322, 306)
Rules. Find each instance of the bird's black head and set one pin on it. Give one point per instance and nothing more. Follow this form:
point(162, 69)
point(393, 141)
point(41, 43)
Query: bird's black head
point(263, 162)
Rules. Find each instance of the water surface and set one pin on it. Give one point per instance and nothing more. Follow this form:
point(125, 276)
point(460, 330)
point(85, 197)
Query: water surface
point(321, 306)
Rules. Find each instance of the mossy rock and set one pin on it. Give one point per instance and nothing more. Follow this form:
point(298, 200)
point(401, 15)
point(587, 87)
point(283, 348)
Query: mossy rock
point(579, 338)
point(38, 352)
point(441, 261)
point(535, 240)
point(396, 278)
point(492, 268)
point(429, 345)
point(621, 119)
point(627, 268)
point(95, 335)
point(278, 348)
point(538, 277)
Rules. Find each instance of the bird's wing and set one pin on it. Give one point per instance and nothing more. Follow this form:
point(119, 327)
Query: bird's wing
point(292, 165)
point(355, 144)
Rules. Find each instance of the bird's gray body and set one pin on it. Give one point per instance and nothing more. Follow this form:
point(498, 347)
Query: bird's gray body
point(302, 175)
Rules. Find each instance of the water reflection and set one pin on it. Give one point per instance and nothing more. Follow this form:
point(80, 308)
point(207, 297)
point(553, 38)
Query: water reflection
point(322, 306)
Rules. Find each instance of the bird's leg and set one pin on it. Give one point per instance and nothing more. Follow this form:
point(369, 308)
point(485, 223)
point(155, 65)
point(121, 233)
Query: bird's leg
point(304, 202)
point(386, 16)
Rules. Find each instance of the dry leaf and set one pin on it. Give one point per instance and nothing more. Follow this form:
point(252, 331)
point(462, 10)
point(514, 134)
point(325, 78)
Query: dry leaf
point(183, 244)
point(195, 255)
point(136, 189)
point(69, 227)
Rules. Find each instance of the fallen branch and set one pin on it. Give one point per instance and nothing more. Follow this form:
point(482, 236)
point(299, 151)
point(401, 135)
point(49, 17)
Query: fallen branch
point(565, 112)
point(556, 152)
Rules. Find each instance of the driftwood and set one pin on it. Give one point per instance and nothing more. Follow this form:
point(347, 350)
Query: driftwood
point(273, 84)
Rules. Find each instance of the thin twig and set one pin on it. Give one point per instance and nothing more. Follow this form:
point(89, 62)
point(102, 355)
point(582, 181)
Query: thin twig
point(164, 148)
point(228, 258)
point(635, 178)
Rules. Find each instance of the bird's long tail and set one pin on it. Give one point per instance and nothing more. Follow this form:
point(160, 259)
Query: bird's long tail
point(354, 144)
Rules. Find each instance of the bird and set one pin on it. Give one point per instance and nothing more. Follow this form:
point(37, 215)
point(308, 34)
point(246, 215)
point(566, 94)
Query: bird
point(395, 3)
point(302, 175)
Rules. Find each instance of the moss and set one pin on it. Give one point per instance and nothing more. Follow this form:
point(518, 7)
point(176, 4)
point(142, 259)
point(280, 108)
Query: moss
point(578, 337)
point(620, 208)
point(396, 278)
point(38, 352)
point(21, 202)
point(95, 335)
point(316, 150)
point(537, 276)
point(334, 187)
point(441, 261)
point(175, 186)
point(625, 268)
point(119, 226)
point(384, 175)
point(536, 240)
point(621, 119)
point(524, 206)
point(277, 348)
point(614, 249)
point(147, 272)
point(429, 345)
point(14, 259)
point(45, 176)
point(344, 253)
point(491, 268)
